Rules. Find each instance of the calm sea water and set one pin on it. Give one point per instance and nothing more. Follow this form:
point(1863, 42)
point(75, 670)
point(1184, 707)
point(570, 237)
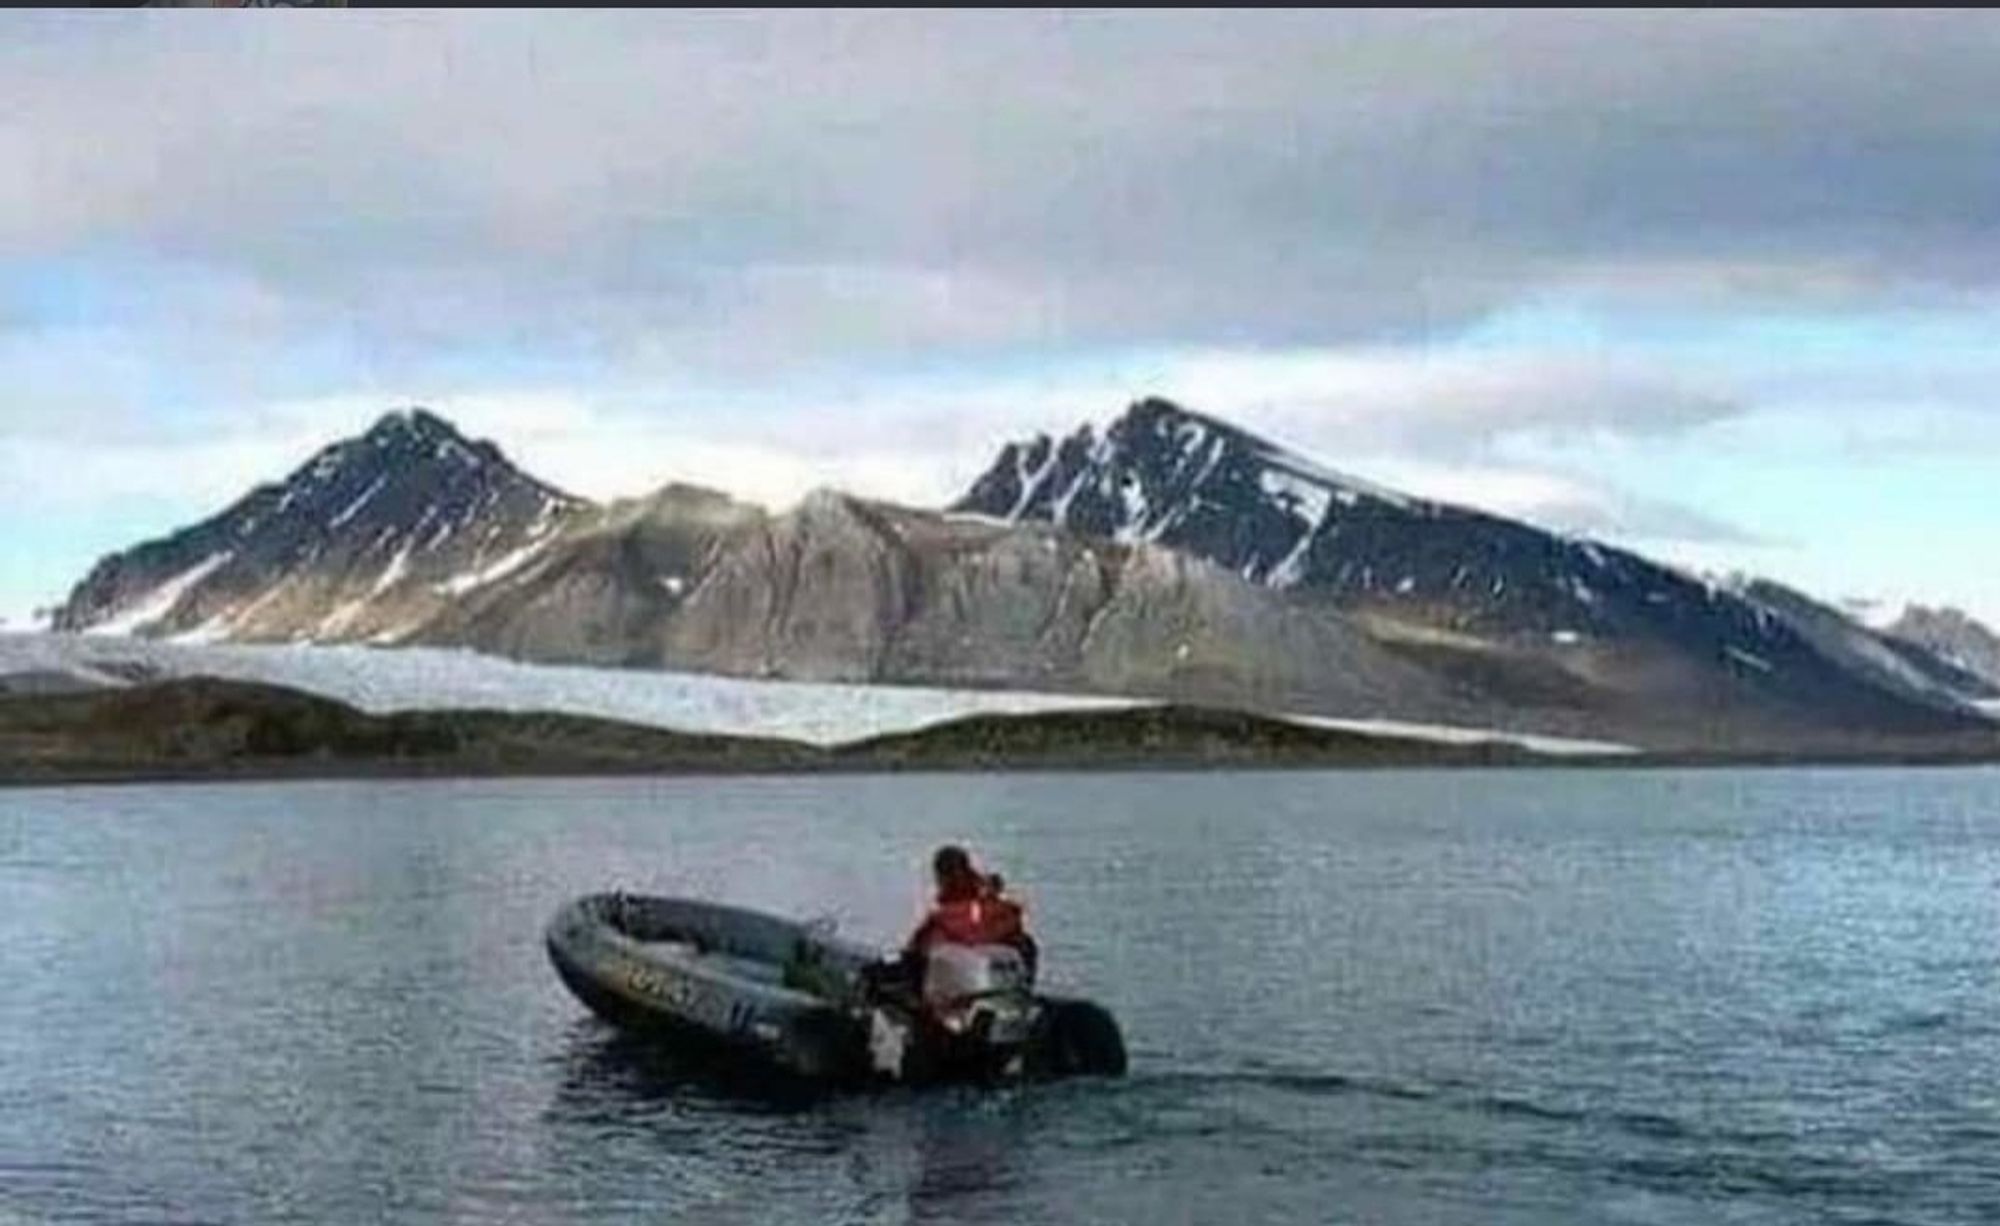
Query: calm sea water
point(1649, 997)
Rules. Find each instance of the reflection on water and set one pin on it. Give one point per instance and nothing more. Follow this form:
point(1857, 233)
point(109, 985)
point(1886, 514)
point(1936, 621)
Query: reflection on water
point(603, 1064)
point(939, 1151)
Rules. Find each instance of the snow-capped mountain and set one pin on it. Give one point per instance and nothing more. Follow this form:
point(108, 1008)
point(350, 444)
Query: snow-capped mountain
point(1163, 474)
point(1454, 580)
point(1171, 476)
point(368, 539)
point(1173, 556)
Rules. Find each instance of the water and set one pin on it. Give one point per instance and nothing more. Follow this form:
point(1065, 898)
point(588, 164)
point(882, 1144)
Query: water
point(1398, 997)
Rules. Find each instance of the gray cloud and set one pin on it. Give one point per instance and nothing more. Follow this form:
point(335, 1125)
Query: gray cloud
point(747, 190)
point(774, 251)
point(1461, 404)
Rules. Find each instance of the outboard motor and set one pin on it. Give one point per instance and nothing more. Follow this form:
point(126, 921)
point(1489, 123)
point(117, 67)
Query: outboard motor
point(974, 1015)
point(981, 992)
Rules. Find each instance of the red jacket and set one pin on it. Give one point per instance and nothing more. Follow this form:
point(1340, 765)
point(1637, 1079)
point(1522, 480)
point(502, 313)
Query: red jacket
point(970, 916)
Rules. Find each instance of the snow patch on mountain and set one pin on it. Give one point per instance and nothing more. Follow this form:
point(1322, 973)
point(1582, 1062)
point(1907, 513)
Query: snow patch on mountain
point(976, 517)
point(1749, 659)
point(1306, 499)
point(1877, 615)
point(1343, 484)
point(496, 570)
point(394, 572)
point(214, 630)
point(333, 624)
point(1291, 567)
point(354, 508)
point(1445, 734)
point(159, 602)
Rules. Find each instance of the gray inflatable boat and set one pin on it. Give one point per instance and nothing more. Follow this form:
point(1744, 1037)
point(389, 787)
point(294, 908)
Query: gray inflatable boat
point(794, 999)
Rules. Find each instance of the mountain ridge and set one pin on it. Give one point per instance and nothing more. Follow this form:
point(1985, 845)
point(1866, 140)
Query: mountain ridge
point(1172, 556)
point(1170, 476)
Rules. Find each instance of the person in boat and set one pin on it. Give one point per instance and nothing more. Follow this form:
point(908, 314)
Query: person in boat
point(972, 908)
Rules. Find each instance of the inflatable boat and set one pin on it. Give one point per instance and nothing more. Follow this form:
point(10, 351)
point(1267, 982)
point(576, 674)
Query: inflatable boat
point(799, 1001)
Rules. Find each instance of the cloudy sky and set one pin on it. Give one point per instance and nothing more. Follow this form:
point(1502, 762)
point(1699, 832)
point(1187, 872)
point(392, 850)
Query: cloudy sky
point(1725, 287)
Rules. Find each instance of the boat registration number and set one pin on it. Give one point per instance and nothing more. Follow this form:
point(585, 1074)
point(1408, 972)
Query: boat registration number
point(687, 996)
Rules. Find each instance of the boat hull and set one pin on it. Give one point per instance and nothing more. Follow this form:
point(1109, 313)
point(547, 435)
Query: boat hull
point(777, 992)
point(679, 966)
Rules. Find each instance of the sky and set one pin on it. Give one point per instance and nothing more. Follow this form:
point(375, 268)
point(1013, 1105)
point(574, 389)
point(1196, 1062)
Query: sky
point(1720, 286)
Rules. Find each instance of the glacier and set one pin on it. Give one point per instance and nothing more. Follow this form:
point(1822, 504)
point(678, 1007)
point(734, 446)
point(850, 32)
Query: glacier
point(384, 679)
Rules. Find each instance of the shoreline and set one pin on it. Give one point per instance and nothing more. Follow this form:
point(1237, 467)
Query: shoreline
point(206, 730)
point(422, 771)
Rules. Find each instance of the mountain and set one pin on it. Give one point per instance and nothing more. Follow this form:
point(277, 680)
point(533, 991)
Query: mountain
point(1457, 588)
point(1169, 476)
point(1954, 636)
point(606, 588)
point(1901, 663)
point(369, 539)
point(1174, 557)
point(844, 589)
point(350, 549)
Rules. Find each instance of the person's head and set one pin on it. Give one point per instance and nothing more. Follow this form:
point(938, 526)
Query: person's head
point(952, 866)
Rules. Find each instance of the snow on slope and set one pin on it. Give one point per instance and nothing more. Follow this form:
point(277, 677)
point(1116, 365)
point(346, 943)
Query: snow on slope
point(1876, 614)
point(496, 570)
point(412, 678)
point(1449, 735)
point(161, 600)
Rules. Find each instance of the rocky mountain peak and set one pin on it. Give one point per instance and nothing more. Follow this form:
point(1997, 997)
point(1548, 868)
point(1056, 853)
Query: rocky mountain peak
point(1154, 419)
point(410, 504)
point(414, 441)
point(1168, 474)
point(413, 423)
point(1953, 634)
